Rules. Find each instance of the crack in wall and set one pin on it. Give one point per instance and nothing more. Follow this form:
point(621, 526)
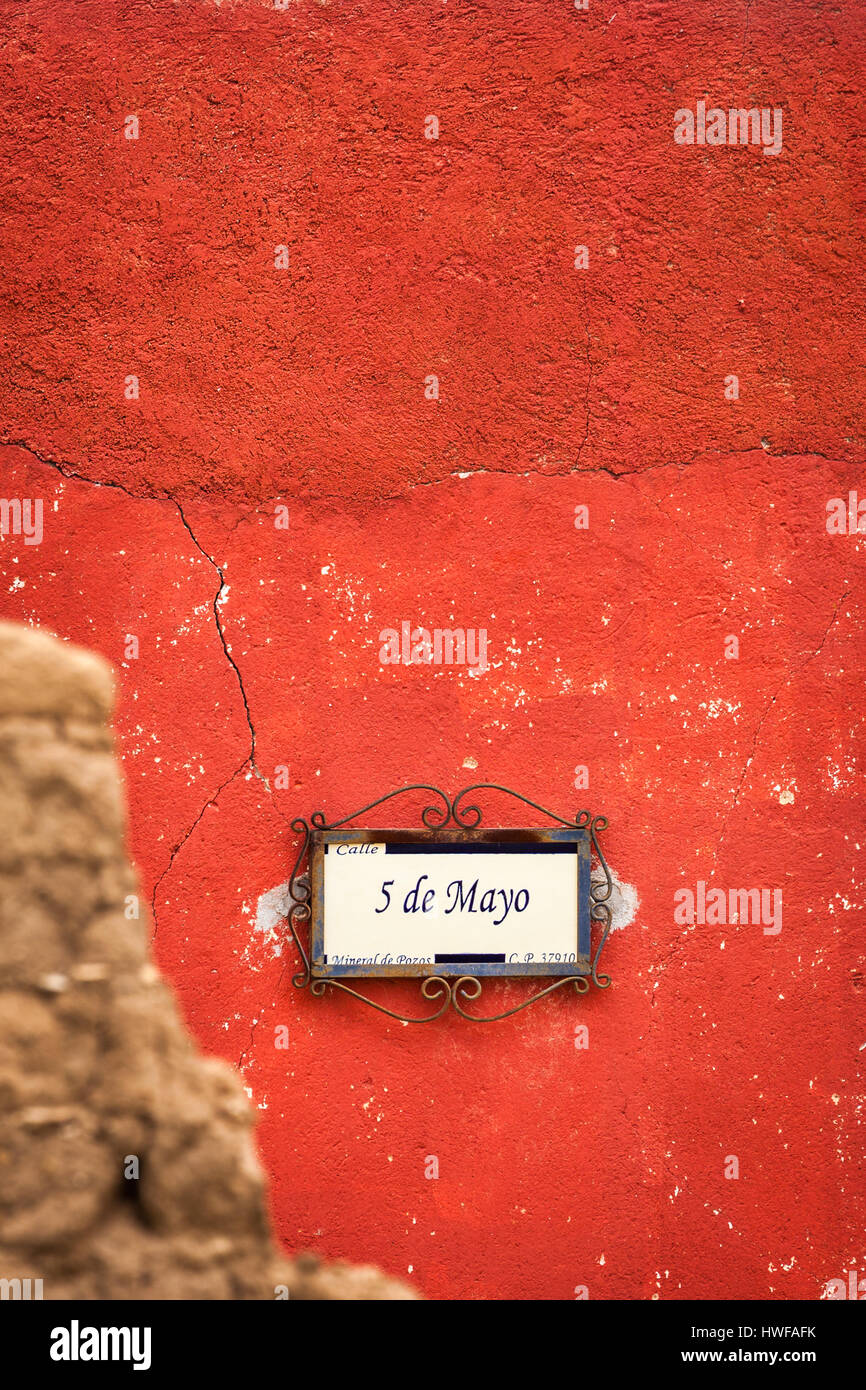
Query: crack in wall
point(254, 1023)
point(66, 471)
point(250, 759)
point(618, 475)
point(182, 841)
point(219, 626)
point(348, 500)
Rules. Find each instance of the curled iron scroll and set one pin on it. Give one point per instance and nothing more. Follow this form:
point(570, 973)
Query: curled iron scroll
point(600, 893)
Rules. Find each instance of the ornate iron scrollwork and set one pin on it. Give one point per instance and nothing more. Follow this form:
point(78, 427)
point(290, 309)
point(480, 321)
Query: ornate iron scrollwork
point(438, 816)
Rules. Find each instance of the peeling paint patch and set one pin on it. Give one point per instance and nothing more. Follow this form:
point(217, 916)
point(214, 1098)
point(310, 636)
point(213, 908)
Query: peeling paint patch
point(624, 902)
point(272, 908)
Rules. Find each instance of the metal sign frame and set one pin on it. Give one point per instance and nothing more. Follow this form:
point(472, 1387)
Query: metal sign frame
point(449, 823)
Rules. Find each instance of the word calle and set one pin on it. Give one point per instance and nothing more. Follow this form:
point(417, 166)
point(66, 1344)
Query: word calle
point(735, 127)
point(716, 907)
point(417, 647)
point(74, 1343)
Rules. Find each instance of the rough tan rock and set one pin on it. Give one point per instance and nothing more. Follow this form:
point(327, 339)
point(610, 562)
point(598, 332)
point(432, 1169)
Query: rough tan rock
point(98, 1076)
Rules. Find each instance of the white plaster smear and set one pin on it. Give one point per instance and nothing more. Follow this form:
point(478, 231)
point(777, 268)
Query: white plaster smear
point(272, 909)
point(623, 902)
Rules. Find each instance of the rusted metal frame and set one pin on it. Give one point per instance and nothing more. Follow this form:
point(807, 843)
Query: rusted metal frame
point(319, 840)
point(436, 818)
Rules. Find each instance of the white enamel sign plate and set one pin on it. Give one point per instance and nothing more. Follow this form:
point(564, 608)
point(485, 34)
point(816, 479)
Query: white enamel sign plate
point(495, 907)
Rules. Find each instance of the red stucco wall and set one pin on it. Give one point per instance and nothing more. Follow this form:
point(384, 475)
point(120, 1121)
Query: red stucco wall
point(559, 387)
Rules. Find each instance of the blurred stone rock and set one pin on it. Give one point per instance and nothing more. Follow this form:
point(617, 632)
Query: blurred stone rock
point(98, 1076)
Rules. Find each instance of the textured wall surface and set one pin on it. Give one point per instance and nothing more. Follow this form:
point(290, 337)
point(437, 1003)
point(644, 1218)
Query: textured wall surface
point(126, 1161)
point(299, 378)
